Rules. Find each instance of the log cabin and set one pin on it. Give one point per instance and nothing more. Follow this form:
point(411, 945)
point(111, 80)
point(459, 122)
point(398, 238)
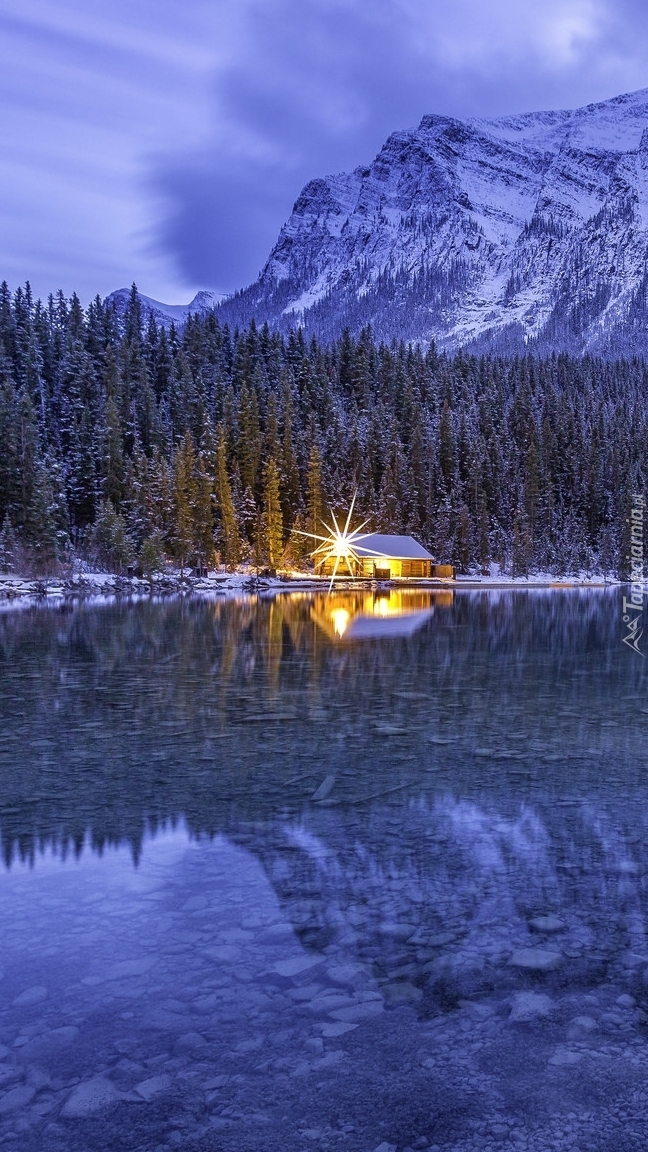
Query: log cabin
point(383, 557)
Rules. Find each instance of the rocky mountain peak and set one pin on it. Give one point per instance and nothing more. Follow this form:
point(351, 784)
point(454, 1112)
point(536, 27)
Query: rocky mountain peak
point(506, 233)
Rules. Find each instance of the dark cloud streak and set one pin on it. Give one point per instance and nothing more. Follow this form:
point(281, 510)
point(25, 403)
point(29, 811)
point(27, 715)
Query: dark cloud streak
point(321, 83)
point(167, 143)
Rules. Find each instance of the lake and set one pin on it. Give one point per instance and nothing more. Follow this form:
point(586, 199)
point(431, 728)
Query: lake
point(297, 872)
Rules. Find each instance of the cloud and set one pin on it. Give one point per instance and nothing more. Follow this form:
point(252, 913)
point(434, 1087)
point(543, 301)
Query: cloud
point(88, 101)
point(317, 85)
point(167, 143)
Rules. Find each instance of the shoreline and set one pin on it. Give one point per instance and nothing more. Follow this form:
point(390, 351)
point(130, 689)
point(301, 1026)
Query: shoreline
point(102, 587)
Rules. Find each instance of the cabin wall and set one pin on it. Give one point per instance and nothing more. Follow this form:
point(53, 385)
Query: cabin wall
point(386, 567)
point(326, 569)
point(371, 568)
point(416, 569)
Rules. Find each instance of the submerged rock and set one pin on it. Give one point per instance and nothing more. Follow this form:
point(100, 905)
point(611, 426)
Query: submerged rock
point(43, 1049)
point(547, 924)
point(30, 996)
point(296, 965)
point(89, 1097)
point(581, 1025)
point(530, 1006)
point(402, 992)
point(16, 1098)
point(536, 959)
point(147, 1089)
point(190, 1042)
point(563, 1056)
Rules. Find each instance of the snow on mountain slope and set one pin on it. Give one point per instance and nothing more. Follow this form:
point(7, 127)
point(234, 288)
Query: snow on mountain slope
point(527, 230)
point(165, 314)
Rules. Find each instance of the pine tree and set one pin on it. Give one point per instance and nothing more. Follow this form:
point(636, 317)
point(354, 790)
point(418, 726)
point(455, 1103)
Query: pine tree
point(151, 556)
point(388, 501)
point(291, 493)
point(315, 501)
point(522, 544)
point(160, 501)
point(443, 533)
point(11, 490)
point(7, 546)
point(298, 548)
point(247, 513)
point(111, 464)
point(273, 516)
point(446, 446)
point(463, 541)
point(110, 543)
point(608, 551)
point(249, 445)
point(229, 533)
point(484, 547)
point(42, 532)
point(203, 515)
point(81, 478)
point(184, 500)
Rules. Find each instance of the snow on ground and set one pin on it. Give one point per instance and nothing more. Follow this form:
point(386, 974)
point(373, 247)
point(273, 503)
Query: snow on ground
point(97, 586)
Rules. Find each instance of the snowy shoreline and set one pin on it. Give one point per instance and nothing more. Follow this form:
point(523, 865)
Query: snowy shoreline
point(103, 586)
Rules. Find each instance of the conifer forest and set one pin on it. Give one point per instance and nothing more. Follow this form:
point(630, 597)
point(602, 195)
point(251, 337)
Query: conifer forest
point(124, 443)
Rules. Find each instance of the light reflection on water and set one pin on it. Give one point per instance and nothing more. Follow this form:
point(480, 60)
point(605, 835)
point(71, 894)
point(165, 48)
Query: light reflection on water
point(250, 853)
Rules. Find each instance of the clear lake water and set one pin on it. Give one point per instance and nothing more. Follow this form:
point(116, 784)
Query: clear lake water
point(296, 873)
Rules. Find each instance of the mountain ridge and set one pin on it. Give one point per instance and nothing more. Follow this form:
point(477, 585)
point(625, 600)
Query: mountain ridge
point(518, 233)
point(500, 233)
point(164, 314)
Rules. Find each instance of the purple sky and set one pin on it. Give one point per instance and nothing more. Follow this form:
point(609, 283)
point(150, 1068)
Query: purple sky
point(166, 142)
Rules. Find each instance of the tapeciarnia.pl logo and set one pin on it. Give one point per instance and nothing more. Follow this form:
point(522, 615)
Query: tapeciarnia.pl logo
point(633, 607)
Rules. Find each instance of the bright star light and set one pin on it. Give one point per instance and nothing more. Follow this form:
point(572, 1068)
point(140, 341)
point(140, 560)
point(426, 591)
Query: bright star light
point(338, 544)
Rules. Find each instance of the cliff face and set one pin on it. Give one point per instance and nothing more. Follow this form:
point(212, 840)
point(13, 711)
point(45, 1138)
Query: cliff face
point(529, 232)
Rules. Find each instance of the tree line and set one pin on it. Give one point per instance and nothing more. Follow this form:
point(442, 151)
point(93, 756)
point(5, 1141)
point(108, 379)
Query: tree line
point(126, 443)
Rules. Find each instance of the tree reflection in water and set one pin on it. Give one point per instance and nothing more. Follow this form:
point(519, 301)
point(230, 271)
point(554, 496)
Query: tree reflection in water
point(490, 759)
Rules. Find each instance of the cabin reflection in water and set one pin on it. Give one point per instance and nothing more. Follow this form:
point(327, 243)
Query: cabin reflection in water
point(376, 615)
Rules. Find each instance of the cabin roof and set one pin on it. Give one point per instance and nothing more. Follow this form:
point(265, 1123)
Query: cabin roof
point(397, 547)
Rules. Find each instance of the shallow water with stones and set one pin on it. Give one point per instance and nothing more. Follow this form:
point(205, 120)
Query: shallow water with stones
point(297, 873)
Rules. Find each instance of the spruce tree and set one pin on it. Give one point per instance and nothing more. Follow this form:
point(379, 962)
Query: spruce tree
point(463, 540)
point(184, 500)
point(203, 514)
point(7, 546)
point(111, 458)
point(229, 533)
point(315, 501)
point(484, 545)
point(522, 545)
point(249, 446)
point(151, 556)
point(247, 514)
point(42, 531)
point(110, 544)
point(273, 516)
point(11, 488)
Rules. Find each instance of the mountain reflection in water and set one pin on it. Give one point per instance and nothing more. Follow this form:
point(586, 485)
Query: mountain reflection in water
point(117, 719)
point(498, 749)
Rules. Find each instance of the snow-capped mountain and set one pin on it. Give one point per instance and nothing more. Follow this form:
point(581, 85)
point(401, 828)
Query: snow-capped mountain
point(525, 231)
point(165, 314)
